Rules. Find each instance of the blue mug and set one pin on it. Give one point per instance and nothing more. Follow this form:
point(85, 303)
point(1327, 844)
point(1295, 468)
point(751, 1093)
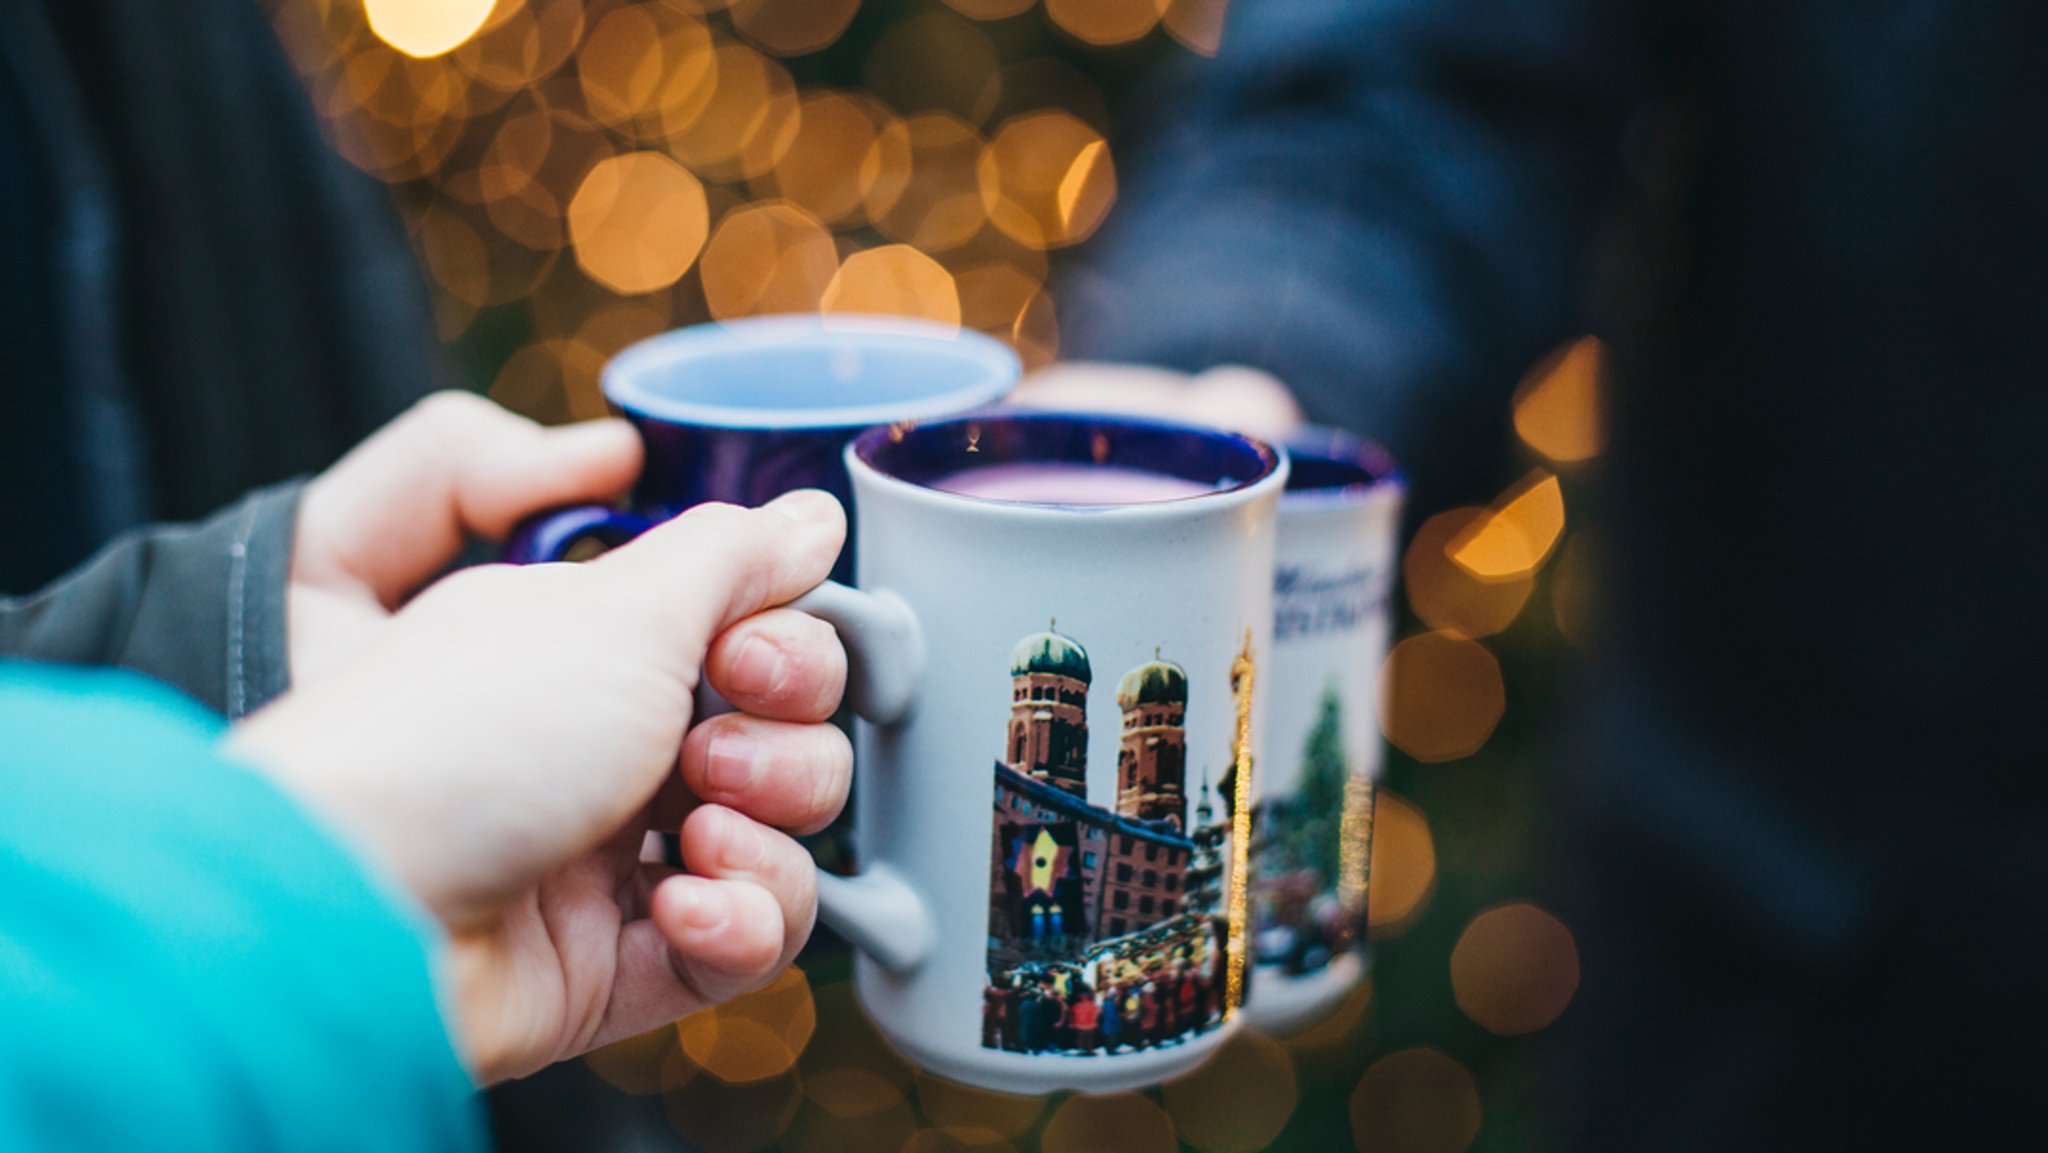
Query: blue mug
point(746, 410)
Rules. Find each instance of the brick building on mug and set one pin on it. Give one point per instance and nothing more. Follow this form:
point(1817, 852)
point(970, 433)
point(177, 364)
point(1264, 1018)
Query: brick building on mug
point(1062, 868)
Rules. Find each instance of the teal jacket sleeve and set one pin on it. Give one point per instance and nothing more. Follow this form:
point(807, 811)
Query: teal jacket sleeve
point(186, 960)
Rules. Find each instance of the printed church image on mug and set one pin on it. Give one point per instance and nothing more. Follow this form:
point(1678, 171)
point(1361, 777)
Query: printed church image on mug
point(1105, 925)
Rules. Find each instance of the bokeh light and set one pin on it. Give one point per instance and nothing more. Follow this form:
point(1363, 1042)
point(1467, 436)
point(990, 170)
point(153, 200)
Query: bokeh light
point(717, 1117)
point(1046, 179)
point(976, 1113)
point(826, 169)
point(1196, 24)
point(792, 27)
point(874, 1126)
point(1444, 695)
point(750, 120)
point(755, 1036)
point(933, 61)
point(767, 257)
point(1103, 22)
point(1450, 597)
point(1238, 1100)
point(1573, 595)
point(846, 1039)
point(940, 206)
point(1515, 537)
point(894, 280)
point(1418, 1100)
point(1117, 1123)
point(1515, 968)
point(990, 9)
point(638, 222)
point(1557, 405)
point(426, 27)
point(523, 43)
point(1403, 865)
point(1336, 1031)
point(633, 1065)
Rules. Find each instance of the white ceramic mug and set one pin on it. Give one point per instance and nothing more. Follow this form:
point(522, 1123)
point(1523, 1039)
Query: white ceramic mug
point(1311, 848)
point(1053, 894)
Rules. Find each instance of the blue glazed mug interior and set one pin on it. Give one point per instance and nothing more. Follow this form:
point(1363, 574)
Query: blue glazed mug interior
point(808, 372)
point(1328, 462)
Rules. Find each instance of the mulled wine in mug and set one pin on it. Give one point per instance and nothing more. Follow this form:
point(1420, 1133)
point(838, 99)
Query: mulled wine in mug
point(1057, 649)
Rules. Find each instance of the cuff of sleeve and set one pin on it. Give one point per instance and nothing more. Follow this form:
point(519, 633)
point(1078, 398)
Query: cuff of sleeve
point(259, 574)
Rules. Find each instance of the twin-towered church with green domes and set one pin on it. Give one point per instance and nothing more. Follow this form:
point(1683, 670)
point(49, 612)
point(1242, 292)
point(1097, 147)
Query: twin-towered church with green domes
point(1097, 894)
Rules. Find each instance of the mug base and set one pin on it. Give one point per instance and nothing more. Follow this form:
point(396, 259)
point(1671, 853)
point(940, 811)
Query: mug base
point(1037, 1074)
point(1282, 1004)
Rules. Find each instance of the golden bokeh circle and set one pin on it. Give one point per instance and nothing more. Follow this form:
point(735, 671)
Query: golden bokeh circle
point(1450, 597)
point(638, 221)
point(826, 168)
point(1196, 24)
point(1103, 22)
point(792, 27)
point(1403, 866)
point(1116, 1123)
point(885, 1130)
point(426, 27)
point(852, 1093)
point(620, 65)
point(963, 1109)
point(1515, 968)
point(1418, 1100)
point(1557, 406)
point(990, 9)
point(633, 1065)
point(1046, 179)
point(767, 257)
point(894, 280)
point(939, 206)
point(1238, 1100)
point(751, 119)
point(1444, 695)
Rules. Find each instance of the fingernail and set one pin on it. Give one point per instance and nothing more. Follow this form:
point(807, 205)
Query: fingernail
point(808, 505)
point(729, 761)
point(699, 907)
point(756, 668)
point(744, 844)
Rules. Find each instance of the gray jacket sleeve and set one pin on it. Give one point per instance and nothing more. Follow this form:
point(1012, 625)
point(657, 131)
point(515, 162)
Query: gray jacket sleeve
point(198, 606)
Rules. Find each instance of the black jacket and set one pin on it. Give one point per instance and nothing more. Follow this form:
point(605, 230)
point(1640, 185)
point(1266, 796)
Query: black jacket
point(198, 298)
point(1809, 815)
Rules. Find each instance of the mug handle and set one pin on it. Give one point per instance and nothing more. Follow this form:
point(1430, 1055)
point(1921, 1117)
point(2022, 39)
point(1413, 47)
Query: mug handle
point(876, 909)
point(562, 534)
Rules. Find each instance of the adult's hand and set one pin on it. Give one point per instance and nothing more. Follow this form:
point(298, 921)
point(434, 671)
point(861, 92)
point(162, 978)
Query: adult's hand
point(1231, 397)
point(504, 741)
point(389, 516)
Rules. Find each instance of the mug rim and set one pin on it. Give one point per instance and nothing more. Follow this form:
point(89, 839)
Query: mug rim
point(997, 365)
point(1271, 473)
point(1372, 465)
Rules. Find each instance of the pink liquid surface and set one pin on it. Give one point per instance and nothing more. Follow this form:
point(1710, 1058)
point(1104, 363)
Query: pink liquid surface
point(1078, 484)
